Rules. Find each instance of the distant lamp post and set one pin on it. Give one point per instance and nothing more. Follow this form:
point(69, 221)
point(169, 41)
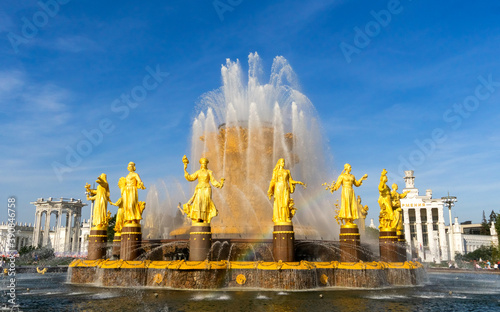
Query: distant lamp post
point(450, 202)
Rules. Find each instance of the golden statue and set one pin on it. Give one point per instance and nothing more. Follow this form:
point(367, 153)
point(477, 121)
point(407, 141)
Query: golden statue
point(281, 186)
point(132, 207)
point(349, 206)
point(363, 210)
point(100, 196)
point(396, 207)
point(201, 208)
point(385, 202)
point(119, 203)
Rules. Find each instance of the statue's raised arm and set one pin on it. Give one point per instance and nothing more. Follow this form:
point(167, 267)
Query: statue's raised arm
point(100, 196)
point(349, 206)
point(200, 207)
point(132, 207)
point(281, 186)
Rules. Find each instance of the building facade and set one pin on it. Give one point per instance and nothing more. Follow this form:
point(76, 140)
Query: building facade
point(424, 223)
point(428, 238)
point(23, 237)
point(65, 236)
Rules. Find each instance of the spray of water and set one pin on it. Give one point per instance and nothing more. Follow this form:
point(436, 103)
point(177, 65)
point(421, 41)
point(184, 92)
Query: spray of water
point(243, 128)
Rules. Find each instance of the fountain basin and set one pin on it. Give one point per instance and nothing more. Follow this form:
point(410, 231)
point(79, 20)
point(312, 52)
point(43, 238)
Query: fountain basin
point(181, 274)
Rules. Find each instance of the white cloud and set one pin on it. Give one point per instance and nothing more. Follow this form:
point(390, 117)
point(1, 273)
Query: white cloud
point(74, 44)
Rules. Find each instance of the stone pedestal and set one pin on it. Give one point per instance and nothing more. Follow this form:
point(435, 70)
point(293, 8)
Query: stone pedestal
point(117, 242)
point(97, 243)
point(283, 241)
point(200, 241)
point(388, 241)
point(401, 246)
point(131, 237)
point(349, 243)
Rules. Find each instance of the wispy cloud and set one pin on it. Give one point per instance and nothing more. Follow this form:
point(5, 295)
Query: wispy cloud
point(75, 44)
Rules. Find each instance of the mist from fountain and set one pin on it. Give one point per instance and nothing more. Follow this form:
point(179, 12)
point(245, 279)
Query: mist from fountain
point(243, 128)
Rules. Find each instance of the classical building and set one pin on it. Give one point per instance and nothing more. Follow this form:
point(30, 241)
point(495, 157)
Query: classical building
point(466, 236)
point(23, 237)
point(65, 237)
point(427, 235)
point(424, 223)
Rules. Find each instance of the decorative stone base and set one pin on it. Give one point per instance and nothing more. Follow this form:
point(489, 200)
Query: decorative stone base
point(401, 246)
point(349, 243)
point(182, 274)
point(283, 241)
point(97, 243)
point(200, 241)
point(130, 248)
point(388, 241)
point(117, 242)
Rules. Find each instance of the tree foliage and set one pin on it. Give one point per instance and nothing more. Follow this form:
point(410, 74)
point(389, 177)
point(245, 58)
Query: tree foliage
point(497, 226)
point(485, 226)
point(483, 252)
point(111, 228)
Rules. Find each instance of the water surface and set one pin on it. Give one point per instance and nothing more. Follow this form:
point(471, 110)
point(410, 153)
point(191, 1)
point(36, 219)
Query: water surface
point(443, 292)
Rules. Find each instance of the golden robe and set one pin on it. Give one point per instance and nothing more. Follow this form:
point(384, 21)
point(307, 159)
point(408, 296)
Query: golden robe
point(281, 187)
point(132, 207)
point(201, 206)
point(349, 203)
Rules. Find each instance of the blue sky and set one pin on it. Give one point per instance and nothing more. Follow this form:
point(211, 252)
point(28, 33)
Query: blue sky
point(397, 85)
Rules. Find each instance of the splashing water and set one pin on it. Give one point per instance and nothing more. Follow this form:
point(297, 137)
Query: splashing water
point(243, 129)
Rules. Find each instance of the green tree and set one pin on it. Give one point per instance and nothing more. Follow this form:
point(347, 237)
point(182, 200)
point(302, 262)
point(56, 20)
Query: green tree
point(483, 252)
point(485, 227)
point(26, 249)
point(497, 226)
point(372, 233)
point(493, 217)
point(111, 228)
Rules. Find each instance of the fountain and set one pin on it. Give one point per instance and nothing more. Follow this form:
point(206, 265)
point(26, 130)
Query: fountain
point(244, 130)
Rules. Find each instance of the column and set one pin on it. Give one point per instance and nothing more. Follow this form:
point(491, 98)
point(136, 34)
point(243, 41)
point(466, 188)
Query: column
point(67, 232)
point(57, 245)
point(430, 235)
point(420, 238)
point(406, 219)
point(442, 234)
point(76, 233)
point(37, 230)
point(46, 230)
point(452, 237)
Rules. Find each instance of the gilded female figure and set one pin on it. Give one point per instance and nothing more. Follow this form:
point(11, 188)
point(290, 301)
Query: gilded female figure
point(100, 196)
point(349, 205)
point(132, 207)
point(385, 202)
point(122, 183)
point(201, 208)
point(396, 207)
point(281, 186)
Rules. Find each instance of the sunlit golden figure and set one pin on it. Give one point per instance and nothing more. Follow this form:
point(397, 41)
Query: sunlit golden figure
point(363, 210)
point(100, 196)
point(281, 186)
point(349, 205)
point(132, 207)
point(385, 202)
point(122, 183)
point(396, 207)
point(201, 208)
